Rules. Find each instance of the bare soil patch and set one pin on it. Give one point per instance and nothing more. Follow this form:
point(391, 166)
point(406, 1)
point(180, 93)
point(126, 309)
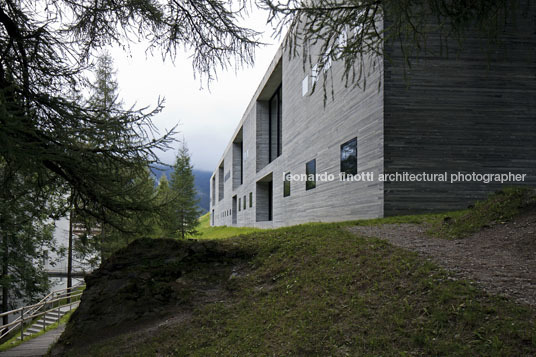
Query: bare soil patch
point(501, 258)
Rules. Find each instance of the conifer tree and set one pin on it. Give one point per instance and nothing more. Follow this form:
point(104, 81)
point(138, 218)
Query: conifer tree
point(25, 235)
point(106, 104)
point(184, 206)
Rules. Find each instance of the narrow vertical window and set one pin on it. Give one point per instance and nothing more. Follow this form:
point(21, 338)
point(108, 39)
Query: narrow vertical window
point(349, 157)
point(221, 181)
point(314, 74)
point(275, 125)
point(270, 200)
point(241, 163)
point(239, 204)
point(213, 198)
point(286, 185)
point(250, 199)
point(310, 171)
point(279, 121)
point(305, 86)
point(244, 202)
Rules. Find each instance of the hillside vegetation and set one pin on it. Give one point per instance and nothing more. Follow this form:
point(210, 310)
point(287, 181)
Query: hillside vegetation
point(208, 232)
point(313, 289)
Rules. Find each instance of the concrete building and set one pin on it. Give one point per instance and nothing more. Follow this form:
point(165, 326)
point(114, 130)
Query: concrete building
point(458, 124)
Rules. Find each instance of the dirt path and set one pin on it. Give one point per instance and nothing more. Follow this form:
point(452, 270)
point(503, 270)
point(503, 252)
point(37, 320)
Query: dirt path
point(501, 259)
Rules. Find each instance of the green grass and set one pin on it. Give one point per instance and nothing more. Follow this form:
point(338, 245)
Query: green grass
point(15, 340)
point(499, 208)
point(318, 290)
point(208, 232)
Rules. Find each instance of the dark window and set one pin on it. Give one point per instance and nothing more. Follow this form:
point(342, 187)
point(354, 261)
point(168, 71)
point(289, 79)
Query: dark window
point(250, 199)
point(213, 198)
point(234, 213)
point(349, 157)
point(220, 182)
point(310, 171)
point(244, 201)
point(241, 163)
point(286, 185)
point(239, 204)
point(275, 125)
point(270, 200)
point(238, 160)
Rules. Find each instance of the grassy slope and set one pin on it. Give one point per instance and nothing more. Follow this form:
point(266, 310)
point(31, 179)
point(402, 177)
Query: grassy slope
point(208, 232)
point(497, 209)
point(316, 289)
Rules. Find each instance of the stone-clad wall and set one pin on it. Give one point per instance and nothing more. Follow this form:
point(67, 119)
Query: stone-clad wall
point(310, 130)
point(468, 112)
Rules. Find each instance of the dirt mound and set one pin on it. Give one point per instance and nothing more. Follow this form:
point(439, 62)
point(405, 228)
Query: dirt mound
point(149, 279)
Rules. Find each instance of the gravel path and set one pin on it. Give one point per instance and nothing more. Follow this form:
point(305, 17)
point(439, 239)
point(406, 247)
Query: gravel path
point(501, 259)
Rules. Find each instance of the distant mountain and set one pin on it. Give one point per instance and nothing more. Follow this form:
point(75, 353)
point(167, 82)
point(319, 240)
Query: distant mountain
point(202, 183)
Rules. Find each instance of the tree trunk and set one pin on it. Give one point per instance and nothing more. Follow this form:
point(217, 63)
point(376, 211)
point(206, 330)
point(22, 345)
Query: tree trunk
point(5, 290)
point(70, 254)
point(101, 245)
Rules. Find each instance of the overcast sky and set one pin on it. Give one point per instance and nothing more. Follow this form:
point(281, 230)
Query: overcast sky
point(206, 118)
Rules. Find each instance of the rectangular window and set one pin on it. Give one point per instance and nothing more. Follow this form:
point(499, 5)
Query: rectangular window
point(326, 60)
point(286, 185)
point(220, 182)
point(264, 199)
point(310, 171)
point(275, 123)
point(314, 74)
point(270, 200)
point(349, 157)
point(239, 204)
point(238, 159)
point(241, 163)
point(244, 201)
point(250, 199)
point(234, 211)
point(213, 197)
point(305, 86)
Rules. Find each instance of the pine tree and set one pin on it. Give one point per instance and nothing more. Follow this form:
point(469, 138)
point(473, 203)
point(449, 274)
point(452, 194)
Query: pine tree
point(105, 90)
point(106, 104)
point(25, 235)
point(184, 207)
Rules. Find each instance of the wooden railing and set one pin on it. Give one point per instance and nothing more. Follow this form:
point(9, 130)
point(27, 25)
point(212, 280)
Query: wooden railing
point(50, 304)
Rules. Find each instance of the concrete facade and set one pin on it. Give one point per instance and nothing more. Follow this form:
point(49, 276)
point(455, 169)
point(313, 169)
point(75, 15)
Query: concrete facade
point(462, 113)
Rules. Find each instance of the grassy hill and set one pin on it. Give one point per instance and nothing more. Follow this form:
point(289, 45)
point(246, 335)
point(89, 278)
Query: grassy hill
point(208, 232)
point(307, 290)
